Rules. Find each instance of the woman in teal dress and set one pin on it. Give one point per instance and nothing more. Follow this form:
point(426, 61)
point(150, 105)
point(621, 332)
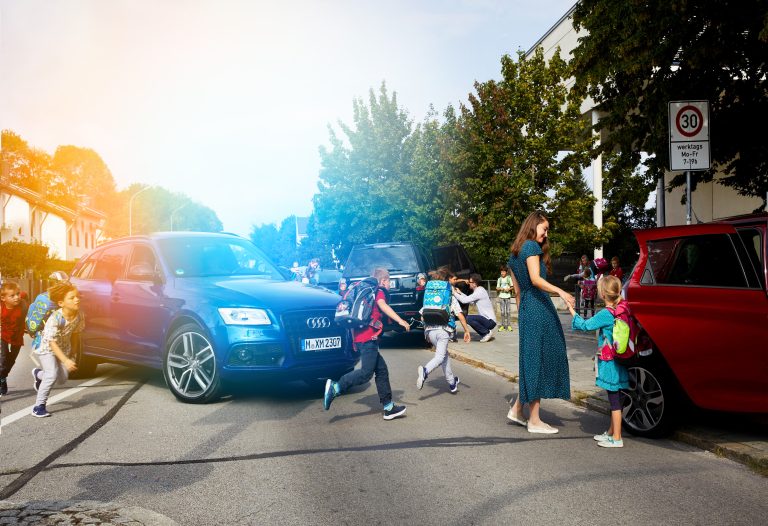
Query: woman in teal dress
point(543, 360)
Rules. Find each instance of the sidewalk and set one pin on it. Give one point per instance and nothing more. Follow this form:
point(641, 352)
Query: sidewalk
point(740, 438)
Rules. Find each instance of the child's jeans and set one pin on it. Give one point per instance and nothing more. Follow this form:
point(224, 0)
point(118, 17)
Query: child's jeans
point(53, 373)
point(505, 306)
point(439, 338)
point(371, 363)
point(8, 355)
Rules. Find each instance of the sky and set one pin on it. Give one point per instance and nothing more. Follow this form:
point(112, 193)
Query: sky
point(228, 101)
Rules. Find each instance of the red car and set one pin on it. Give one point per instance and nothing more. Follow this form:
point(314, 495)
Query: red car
point(699, 292)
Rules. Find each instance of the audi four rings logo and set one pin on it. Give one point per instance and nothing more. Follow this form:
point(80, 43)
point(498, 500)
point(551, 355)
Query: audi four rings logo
point(318, 323)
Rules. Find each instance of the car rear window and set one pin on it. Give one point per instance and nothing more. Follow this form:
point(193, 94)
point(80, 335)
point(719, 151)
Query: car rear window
point(706, 261)
point(395, 258)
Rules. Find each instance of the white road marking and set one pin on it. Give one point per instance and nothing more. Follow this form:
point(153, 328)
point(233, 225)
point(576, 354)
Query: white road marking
point(52, 400)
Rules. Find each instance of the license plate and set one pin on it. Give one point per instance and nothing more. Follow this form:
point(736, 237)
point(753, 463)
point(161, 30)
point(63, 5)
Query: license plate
point(321, 344)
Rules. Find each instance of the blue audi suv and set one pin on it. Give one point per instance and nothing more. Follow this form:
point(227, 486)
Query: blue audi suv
point(205, 308)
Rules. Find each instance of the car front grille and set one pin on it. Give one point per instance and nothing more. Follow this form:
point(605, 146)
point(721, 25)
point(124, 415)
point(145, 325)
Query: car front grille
point(300, 325)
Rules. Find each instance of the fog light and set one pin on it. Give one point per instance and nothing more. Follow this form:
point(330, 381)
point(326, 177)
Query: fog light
point(244, 354)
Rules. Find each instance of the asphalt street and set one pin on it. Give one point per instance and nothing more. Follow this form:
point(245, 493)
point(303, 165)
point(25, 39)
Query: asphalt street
point(269, 454)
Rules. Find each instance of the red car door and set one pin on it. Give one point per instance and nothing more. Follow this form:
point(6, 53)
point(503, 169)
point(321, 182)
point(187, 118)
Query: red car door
point(701, 300)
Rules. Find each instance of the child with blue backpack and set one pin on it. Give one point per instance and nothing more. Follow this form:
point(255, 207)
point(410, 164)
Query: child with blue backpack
point(438, 333)
point(611, 375)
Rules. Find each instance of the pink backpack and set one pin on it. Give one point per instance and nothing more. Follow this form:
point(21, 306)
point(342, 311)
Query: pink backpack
point(627, 340)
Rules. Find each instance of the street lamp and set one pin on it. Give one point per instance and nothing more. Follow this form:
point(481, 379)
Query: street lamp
point(130, 209)
point(174, 212)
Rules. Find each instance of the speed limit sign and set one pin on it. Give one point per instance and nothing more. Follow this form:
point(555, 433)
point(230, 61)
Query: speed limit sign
point(689, 135)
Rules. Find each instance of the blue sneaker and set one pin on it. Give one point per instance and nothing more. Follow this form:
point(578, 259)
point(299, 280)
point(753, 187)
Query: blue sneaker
point(610, 442)
point(329, 394)
point(455, 385)
point(38, 381)
point(40, 412)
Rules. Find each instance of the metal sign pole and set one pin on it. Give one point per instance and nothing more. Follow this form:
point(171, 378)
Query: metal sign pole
point(688, 197)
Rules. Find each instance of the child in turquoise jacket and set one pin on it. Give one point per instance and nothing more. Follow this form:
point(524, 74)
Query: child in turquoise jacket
point(611, 376)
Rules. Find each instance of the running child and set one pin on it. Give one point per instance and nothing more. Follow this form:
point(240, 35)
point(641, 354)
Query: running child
point(55, 344)
point(611, 375)
point(439, 336)
point(371, 361)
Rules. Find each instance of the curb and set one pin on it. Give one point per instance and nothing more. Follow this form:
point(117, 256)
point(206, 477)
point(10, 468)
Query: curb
point(754, 459)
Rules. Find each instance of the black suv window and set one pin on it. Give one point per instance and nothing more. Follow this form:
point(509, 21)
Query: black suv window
point(706, 261)
point(395, 258)
point(143, 264)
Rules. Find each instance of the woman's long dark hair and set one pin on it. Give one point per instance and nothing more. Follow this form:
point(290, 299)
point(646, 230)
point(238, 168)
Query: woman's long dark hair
point(528, 231)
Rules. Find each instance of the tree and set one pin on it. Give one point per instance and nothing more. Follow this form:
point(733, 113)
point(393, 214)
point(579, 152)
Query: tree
point(81, 177)
point(508, 159)
point(23, 165)
point(154, 209)
point(278, 244)
point(715, 51)
point(16, 257)
point(361, 176)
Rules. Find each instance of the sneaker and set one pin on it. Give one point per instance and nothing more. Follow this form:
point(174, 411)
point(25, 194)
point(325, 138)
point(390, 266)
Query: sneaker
point(509, 328)
point(610, 442)
point(455, 385)
point(488, 337)
point(502, 329)
point(37, 380)
point(602, 438)
point(329, 394)
point(397, 410)
point(3, 386)
point(422, 372)
point(40, 412)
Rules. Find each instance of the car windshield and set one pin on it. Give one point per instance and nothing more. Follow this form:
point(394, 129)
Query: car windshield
point(395, 258)
point(196, 257)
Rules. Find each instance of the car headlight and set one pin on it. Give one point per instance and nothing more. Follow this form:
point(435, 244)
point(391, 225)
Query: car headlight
point(235, 316)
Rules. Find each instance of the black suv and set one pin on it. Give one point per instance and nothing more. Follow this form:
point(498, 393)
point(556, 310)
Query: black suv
point(405, 261)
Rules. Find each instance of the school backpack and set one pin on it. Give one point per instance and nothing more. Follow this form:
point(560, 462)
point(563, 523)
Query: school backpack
point(437, 304)
point(626, 333)
point(599, 266)
point(37, 314)
point(355, 309)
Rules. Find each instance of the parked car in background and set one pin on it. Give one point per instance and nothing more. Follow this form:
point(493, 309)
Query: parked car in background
point(205, 308)
point(699, 292)
point(405, 261)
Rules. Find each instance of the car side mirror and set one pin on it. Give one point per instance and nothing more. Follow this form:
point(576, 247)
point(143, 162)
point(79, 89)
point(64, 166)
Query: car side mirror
point(143, 272)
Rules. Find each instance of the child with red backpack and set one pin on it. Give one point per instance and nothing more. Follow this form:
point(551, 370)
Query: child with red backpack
point(371, 361)
point(611, 375)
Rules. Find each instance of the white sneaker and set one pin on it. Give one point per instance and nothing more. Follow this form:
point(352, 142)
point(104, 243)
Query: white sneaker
point(610, 442)
point(603, 437)
point(488, 337)
point(422, 375)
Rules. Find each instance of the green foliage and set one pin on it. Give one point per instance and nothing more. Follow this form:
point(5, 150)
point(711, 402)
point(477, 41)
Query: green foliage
point(361, 176)
point(16, 257)
point(23, 165)
point(278, 244)
point(157, 209)
point(81, 176)
point(508, 157)
point(638, 56)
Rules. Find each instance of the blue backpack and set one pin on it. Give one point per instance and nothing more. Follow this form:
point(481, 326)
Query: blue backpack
point(37, 315)
point(437, 304)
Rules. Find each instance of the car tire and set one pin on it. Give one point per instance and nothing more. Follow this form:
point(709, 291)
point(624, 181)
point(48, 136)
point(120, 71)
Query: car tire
point(652, 403)
point(86, 366)
point(189, 365)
